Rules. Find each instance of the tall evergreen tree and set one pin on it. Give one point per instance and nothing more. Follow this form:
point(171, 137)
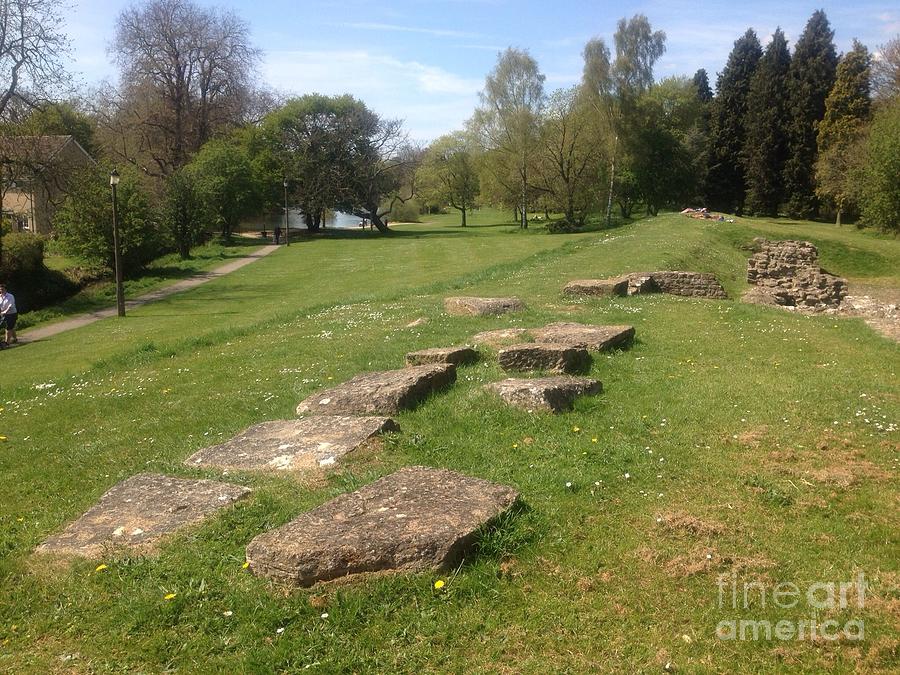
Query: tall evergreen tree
point(847, 109)
point(810, 78)
point(701, 81)
point(725, 181)
point(765, 152)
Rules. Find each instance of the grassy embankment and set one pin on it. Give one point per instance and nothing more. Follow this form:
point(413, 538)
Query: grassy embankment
point(766, 428)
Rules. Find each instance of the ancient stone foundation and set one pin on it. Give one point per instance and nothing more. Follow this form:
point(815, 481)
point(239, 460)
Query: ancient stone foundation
point(787, 273)
point(690, 284)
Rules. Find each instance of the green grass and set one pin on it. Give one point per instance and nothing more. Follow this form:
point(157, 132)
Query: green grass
point(761, 421)
point(160, 273)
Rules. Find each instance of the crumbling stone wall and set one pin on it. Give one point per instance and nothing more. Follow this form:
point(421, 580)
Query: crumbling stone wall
point(690, 284)
point(787, 273)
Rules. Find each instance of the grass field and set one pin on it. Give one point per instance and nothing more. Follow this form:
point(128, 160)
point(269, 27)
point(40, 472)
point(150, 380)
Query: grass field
point(729, 439)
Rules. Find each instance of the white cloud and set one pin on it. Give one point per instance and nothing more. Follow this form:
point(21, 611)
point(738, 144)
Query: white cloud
point(431, 100)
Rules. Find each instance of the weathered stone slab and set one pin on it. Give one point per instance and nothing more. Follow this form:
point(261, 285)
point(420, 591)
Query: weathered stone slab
point(469, 306)
point(414, 519)
point(381, 393)
point(500, 337)
point(789, 273)
point(560, 358)
point(293, 445)
point(458, 356)
point(607, 287)
point(597, 338)
point(140, 511)
point(555, 394)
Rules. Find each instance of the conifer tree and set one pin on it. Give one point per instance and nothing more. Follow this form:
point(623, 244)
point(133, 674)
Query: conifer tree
point(847, 110)
point(701, 81)
point(766, 148)
point(725, 181)
point(810, 78)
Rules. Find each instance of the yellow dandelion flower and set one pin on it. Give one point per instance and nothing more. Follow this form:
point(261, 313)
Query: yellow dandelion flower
point(593, 440)
point(439, 584)
point(515, 445)
point(2, 438)
point(169, 596)
point(99, 568)
point(576, 429)
point(245, 565)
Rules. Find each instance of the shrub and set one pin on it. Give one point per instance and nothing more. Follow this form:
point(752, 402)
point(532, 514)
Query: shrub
point(563, 227)
point(22, 256)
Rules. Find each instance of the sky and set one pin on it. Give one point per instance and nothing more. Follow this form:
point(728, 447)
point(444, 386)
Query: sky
point(425, 61)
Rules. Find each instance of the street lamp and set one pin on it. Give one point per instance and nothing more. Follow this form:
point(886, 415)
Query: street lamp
point(120, 294)
point(287, 232)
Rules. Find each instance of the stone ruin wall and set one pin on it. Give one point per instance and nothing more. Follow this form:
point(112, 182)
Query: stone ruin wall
point(787, 273)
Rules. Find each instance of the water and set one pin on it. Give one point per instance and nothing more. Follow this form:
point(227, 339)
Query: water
point(336, 219)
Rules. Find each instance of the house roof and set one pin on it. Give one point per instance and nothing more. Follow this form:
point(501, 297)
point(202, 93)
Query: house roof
point(36, 149)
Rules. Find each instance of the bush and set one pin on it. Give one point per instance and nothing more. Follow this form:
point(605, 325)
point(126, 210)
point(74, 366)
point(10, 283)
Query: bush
point(21, 257)
point(563, 227)
point(84, 222)
point(407, 212)
point(22, 269)
point(880, 195)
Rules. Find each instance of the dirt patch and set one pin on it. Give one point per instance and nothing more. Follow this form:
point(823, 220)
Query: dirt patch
point(684, 523)
point(753, 437)
point(703, 559)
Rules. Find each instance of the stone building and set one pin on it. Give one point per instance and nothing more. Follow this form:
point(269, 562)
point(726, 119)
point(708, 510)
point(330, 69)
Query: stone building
point(34, 174)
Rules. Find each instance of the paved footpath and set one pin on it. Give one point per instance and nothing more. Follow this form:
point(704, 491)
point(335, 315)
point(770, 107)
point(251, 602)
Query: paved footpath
point(178, 287)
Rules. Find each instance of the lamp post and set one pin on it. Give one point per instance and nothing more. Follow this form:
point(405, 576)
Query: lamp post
point(120, 294)
point(287, 232)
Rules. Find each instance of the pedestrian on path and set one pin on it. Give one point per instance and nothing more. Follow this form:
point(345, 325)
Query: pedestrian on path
point(8, 314)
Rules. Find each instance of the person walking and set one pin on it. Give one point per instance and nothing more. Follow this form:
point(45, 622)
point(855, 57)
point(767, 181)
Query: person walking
point(8, 314)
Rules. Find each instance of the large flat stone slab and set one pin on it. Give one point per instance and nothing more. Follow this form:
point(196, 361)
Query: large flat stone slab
point(617, 286)
point(458, 356)
point(414, 519)
point(469, 306)
point(597, 338)
point(140, 511)
point(555, 394)
point(293, 445)
point(380, 393)
point(501, 337)
point(559, 358)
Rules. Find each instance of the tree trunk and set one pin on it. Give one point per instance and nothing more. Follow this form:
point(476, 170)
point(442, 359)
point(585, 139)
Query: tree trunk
point(838, 220)
point(463, 210)
point(612, 178)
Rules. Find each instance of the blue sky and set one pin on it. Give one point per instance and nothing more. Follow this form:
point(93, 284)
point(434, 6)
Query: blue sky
point(425, 60)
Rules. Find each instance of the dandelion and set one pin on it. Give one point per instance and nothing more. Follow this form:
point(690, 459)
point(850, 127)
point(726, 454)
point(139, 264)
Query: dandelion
point(99, 568)
point(169, 596)
point(575, 430)
point(2, 439)
point(245, 565)
point(515, 445)
point(593, 440)
point(439, 584)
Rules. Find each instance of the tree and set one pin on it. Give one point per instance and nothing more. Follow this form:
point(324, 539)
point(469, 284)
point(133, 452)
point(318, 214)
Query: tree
point(701, 82)
point(886, 70)
point(810, 78)
point(766, 147)
point(507, 120)
point(32, 47)
point(614, 88)
point(880, 173)
point(186, 74)
point(726, 182)
point(570, 154)
point(449, 175)
point(336, 153)
point(83, 224)
point(847, 111)
point(224, 183)
point(183, 213)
